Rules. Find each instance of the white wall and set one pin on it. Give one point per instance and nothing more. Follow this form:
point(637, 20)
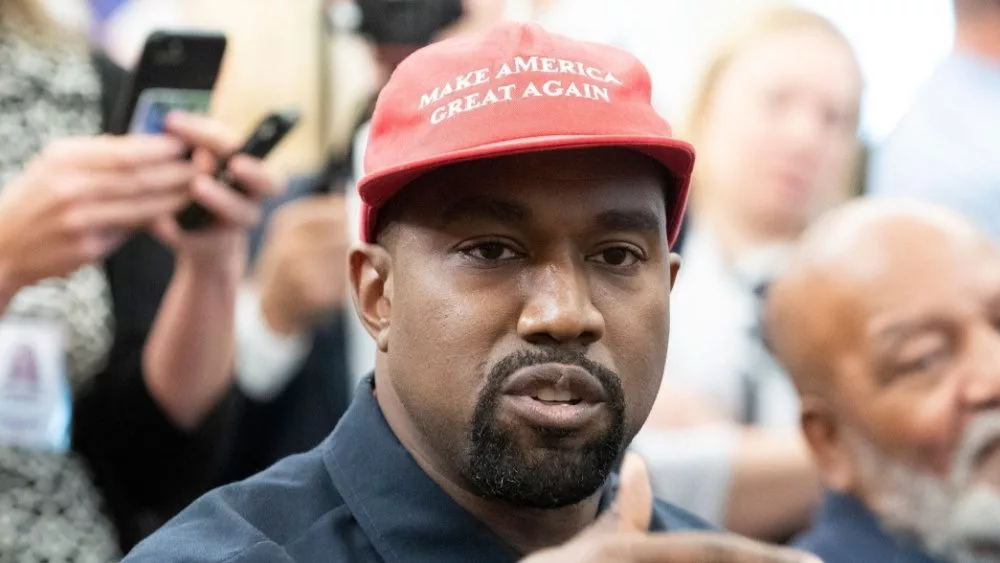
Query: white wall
point(899, 42)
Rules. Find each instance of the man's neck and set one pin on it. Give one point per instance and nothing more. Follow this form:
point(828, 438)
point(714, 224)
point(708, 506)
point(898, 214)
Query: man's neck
point(525, 530)
point(979, 36)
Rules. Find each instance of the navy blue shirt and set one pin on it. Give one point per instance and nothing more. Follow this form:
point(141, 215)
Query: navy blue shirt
point(845, 531)
point(358, 496)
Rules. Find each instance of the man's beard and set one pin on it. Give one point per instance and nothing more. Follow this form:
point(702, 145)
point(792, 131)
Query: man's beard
point(954, 518)
point(547, 477)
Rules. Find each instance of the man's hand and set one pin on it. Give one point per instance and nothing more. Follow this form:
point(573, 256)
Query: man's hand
point(302, 273)
point(188, 357)
point(221, 247)
point(621, 534)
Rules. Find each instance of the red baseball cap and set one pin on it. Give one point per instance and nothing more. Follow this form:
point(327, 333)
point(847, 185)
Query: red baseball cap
point(513, 89)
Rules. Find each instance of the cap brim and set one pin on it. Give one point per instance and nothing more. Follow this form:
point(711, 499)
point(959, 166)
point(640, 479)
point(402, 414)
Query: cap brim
point(676, 156)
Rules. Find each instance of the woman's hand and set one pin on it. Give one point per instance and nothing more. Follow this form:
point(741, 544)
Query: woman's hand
point(77, 200)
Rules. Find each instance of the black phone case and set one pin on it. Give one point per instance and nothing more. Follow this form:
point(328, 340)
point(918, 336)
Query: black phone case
point(198, 68)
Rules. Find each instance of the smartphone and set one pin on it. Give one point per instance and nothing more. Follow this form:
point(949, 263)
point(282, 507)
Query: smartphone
point(261, 141)
point(176, 71)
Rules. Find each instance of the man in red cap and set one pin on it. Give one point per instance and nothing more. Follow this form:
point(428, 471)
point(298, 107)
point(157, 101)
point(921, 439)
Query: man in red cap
point(520, 199)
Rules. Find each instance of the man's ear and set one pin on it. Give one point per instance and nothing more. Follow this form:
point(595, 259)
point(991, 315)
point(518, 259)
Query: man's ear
point(824, 433)
point(371, 288)
point(675, 266)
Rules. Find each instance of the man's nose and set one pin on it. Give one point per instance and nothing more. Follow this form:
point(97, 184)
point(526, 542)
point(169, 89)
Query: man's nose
point(982, 390)
point(558, 308)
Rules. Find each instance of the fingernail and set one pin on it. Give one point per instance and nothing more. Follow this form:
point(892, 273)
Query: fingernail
point(173, 144)
point(177, 117)
point(204, 184)
point(237, 163)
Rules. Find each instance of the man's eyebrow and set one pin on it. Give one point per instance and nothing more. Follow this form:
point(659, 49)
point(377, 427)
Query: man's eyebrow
point(501, 211)
point(633, 220)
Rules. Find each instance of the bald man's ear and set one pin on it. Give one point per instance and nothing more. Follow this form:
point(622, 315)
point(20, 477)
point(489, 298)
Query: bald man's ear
point(675, 266)
point(825, 436)
point(371, 288)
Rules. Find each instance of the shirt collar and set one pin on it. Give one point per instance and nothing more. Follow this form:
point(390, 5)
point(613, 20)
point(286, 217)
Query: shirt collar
point(862, 528)
point(404, 513)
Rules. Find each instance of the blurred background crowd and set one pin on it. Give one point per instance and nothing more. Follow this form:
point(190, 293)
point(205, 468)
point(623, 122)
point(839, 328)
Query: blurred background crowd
point(794, 108)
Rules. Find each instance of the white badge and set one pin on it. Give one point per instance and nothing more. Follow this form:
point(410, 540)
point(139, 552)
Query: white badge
point(35, 398)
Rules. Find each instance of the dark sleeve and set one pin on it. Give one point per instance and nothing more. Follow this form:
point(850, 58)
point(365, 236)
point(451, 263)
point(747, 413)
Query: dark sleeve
point(300, 417)
point(147, 468)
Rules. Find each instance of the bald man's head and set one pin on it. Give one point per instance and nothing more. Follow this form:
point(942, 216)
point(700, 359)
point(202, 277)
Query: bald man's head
point(888, 320)
point(852, 250)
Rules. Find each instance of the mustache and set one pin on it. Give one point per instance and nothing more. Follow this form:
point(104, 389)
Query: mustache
point(981, 433)
point(507, 366)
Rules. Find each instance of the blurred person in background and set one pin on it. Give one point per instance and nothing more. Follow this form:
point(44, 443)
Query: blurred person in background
point(88, 250)
point(945, 150)
point(775, 121)
point(301, 349)
point(887, 321)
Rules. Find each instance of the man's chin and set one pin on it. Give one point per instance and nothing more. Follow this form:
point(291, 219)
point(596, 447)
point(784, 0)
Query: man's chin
point(556, 486)
point(543, 478)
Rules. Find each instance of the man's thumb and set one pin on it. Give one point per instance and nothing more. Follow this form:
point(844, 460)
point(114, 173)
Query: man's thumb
point(633, 505)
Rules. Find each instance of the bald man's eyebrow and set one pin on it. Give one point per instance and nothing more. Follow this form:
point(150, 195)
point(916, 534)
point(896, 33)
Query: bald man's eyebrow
point(500, 211)
point(630, 220)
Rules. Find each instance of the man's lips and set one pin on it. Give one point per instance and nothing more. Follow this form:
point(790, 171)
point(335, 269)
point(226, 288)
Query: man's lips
point(555, 396)
point(556, 383)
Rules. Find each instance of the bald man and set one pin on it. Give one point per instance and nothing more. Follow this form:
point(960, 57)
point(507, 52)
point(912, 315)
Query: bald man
point(888, 321)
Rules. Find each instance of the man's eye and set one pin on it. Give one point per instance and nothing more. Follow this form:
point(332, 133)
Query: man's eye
point(924, 362)
point(619, 257)
point(491, 252)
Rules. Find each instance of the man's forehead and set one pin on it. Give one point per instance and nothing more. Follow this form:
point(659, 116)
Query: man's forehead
point(643, 215)
point(907, 273)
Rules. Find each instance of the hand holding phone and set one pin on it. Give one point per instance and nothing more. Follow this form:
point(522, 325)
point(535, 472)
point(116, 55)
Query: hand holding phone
point(261, 141)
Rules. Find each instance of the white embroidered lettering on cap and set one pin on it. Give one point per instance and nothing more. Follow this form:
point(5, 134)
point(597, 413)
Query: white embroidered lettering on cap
point(460, 94)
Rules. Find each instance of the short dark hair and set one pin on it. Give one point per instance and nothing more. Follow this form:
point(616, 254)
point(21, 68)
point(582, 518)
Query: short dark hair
point(394, 208)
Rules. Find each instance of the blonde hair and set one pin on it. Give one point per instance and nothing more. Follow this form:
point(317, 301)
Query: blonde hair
point(31, 21)
point(272, 62)
point(758, 26)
